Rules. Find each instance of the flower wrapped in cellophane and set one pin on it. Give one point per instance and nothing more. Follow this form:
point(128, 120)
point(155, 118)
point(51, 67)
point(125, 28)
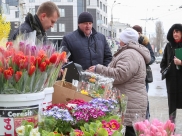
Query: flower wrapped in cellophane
point(94, 85)
point(153, 127)
point(29, 68)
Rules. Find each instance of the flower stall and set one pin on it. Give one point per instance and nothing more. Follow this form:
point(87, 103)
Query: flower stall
point(28, 71)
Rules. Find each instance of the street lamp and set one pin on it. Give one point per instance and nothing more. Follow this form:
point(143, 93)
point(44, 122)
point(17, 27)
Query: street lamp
point(111, 23)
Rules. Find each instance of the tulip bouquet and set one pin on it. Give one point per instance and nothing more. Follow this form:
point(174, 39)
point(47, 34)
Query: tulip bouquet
point(154, 128)
point(28, 68)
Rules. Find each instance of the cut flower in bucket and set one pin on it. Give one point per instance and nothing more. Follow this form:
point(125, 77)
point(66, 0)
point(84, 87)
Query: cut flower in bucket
point(26, 68)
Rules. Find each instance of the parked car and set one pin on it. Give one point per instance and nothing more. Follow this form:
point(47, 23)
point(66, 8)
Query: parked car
point(158, 59)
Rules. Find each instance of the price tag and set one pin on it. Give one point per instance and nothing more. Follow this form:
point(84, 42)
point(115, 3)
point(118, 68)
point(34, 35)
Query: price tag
point(7, 126)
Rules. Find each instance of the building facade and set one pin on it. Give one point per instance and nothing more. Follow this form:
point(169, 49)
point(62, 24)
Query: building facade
point(69, 10)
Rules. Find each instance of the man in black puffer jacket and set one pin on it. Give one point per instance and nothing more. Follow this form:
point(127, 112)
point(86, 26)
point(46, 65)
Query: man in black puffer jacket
point(47, 14)
point(87, 46)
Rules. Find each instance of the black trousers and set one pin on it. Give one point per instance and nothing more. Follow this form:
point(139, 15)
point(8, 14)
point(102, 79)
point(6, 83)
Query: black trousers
point(130, 131)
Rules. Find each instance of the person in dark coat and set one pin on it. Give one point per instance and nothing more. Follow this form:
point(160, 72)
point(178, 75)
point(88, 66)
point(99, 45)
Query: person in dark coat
point(47, 14)
point(174, 75)
point(145, 41)
point(87, 46)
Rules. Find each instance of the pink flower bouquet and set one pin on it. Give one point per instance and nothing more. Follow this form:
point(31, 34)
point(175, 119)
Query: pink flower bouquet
point(154, 128)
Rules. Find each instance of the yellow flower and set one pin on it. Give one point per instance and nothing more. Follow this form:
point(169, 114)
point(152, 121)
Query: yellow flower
point(84, 92)
point(4, 29)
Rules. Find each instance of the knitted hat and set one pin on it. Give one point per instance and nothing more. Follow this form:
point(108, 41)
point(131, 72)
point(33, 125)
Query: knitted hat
point(138, 28)
point(85, 17)
point(129, 34)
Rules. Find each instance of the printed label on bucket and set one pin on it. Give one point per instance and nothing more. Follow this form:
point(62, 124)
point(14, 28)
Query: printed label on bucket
point(12, 117)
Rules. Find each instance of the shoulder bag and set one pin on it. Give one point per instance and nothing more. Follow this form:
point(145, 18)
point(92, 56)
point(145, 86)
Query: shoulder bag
point(165, 71)
point(149, 76)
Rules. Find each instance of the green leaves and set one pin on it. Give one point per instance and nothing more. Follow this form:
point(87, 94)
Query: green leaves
point(102, 132)
point(48, 124)
point(94, 128)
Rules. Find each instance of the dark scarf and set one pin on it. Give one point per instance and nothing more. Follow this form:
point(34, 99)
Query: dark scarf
point(35, 24)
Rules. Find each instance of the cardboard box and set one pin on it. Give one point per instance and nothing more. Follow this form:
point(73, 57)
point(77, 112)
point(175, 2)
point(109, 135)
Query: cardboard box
point(64, 91)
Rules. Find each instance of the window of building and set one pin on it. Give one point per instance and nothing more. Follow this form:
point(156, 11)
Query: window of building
point(88, 2)
point(62, 12)
point(32, 11)
point(104, 7)
point(106, 21)
point(120, 30)
point(54, 28)
point(97, 3)
point(16, 14)
point(31, 1)
point(97, 15)
point(70, 0)
point(56, 0)
point(61, 27)
point(100, 5)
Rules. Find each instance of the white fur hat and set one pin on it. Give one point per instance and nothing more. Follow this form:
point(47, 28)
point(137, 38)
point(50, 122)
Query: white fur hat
point(128, 35)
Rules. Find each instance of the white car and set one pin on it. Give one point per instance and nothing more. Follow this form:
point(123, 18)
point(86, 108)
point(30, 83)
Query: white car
point(158, 59)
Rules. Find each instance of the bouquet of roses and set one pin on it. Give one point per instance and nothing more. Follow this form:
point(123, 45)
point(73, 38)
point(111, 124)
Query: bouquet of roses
point(29, 68)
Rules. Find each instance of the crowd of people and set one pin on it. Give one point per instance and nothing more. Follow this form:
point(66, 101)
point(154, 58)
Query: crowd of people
point(127, 66)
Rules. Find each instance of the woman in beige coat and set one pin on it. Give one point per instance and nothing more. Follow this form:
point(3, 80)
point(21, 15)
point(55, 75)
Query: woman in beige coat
point(128, 68)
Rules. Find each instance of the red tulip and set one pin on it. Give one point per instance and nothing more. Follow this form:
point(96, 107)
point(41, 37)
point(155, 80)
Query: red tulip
point(42, 54)
point(8, 74)
point(1, 70)
point(43, 66)
point(11, 69)
point(9, 44)
point(37, 61)
point(62, 56)
point(47, 61)
point(18, 75)
point(23, 62)
point(32, 60)
point(53, 58)
point(31, 70)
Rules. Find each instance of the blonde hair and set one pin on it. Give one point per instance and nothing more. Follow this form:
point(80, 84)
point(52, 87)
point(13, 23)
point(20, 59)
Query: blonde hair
point(49, 8)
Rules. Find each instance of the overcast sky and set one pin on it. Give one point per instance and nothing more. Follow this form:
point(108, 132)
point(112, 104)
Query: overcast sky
point(137, 11)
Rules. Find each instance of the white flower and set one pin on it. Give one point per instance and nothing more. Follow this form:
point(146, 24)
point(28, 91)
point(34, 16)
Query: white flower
point(20, 130)
point(34, 132)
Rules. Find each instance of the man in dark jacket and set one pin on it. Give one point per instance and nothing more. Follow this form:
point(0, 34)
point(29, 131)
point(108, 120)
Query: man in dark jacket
point(47, 14)
point(87, 46)
point(145, 41)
